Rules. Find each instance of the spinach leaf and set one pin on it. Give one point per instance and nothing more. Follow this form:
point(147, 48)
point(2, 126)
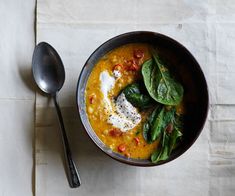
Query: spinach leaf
point(176, 134)
point(164, 118)
point(167, 145)
point(138, 132)
point(146, 132)
point(168, 141)
point(157, 123)
point(160, 85)
point(162, 153)
point(147, 127)
point(137, 97)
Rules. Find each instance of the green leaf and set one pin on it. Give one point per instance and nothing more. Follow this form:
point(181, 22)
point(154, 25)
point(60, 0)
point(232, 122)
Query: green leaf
point(173, 139)
point(156, 155)
point(168, 140)
point(165, 147)
point(148, 125)
point(138, 132)
point(157, 122)
point(161, 154)
point(176, 134)
point(146, 132)
point(164, 118)
point(136, 95)
point(160, 85)
point(157, 125)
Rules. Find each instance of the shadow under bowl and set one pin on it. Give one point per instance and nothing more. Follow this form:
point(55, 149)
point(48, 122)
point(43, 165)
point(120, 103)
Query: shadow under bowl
point(188, 72)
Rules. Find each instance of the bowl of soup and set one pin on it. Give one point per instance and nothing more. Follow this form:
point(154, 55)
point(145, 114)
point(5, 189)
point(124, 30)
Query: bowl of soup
point(142, 98)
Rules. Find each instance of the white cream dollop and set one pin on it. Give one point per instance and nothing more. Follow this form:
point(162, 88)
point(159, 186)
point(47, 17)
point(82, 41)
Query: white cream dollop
point(107, 83)
point(122, 114)
point(126, 116)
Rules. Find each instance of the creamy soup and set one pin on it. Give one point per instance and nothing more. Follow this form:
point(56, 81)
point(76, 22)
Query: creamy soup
point(117, 122)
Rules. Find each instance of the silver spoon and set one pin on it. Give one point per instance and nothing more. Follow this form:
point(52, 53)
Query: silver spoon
point(49, 74)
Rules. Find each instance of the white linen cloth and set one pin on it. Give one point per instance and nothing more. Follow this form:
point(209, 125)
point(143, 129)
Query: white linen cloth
point(76, 28)
point(17, 97)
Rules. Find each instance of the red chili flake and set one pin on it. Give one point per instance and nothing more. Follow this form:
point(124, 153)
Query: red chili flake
point(137, 140)
point(118, 67)
point(115, 132)
point(92, 99)
point(132, 65)
point(121, 147)
point(138, 54)
point(131, 62)
point(169, 128)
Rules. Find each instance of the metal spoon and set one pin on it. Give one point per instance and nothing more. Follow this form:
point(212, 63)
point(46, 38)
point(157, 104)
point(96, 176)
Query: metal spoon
point(49, 74)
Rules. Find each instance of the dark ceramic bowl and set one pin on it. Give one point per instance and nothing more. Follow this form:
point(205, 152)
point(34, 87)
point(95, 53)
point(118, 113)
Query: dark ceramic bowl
point(186, 68)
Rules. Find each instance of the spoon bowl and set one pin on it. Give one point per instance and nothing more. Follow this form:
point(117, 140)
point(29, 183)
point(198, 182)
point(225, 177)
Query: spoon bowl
point(48, 69)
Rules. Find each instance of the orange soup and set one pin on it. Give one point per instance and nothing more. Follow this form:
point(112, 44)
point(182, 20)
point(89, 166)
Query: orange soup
point(120, 127)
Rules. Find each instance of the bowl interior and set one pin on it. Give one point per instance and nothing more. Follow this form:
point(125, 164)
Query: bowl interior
point(187, 71)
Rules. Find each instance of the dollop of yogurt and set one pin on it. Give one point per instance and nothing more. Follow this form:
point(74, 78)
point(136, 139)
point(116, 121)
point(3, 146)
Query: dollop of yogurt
point(107, 83)
point(122, 114)
point(126, 116)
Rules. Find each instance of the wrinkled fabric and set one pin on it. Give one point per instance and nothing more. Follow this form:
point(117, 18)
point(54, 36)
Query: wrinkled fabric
point(76, 28)
point(17, 97)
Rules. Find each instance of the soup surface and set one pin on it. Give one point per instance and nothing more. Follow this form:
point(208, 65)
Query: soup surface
point(115, 121)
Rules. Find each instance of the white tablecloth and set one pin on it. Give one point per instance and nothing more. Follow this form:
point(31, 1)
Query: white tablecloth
point(77, 27)
point(17, 97)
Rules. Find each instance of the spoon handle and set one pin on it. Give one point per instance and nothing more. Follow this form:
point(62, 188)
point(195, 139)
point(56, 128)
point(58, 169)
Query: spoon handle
point(72, 174)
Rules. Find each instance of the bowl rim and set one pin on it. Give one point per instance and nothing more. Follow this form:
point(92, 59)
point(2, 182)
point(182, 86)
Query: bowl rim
point(113, 154)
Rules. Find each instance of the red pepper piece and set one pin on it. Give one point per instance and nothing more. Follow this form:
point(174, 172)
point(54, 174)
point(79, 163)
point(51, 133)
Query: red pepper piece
point(118, 67)
point(138, 54)
point(132, 66)
point(92, 99)
point(121, 147)
point(137, 140)
point(115, 132)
